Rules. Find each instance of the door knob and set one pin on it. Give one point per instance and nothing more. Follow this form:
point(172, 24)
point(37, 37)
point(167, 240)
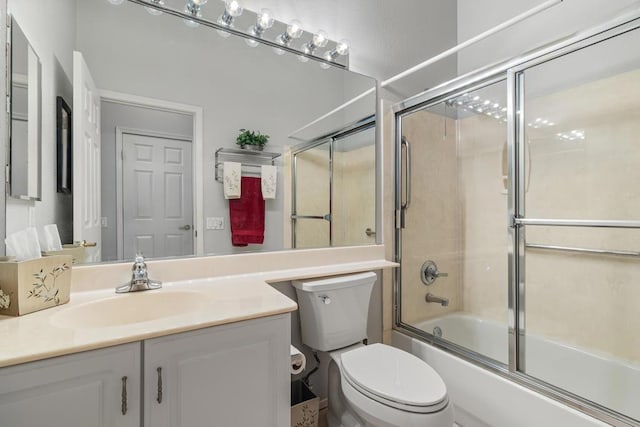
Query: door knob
point(185, 227)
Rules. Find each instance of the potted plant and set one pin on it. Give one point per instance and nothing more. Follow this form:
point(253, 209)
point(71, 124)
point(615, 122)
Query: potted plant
point(250, 140)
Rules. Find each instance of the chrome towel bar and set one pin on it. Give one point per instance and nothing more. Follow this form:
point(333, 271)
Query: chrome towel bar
point(582, 250)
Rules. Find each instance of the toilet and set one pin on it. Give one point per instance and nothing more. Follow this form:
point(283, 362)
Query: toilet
point(369, 385)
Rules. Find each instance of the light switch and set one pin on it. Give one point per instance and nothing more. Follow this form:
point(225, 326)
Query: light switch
point(103, 222)
point(215, 223)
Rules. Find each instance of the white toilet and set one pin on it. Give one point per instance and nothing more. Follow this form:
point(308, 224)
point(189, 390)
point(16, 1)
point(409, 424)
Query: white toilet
point(369, 385)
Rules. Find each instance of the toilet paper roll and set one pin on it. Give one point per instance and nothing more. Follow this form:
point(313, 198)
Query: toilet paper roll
point(298, 361)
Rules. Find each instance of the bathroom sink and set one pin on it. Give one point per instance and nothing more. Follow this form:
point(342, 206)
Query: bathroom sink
point(129, 309)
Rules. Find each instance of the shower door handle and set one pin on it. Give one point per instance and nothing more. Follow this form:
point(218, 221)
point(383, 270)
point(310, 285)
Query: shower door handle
point(404, 203)
point(407, 175)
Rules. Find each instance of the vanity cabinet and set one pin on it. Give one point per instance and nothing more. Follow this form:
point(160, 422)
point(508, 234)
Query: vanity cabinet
point(85, 389)
point(235, 375)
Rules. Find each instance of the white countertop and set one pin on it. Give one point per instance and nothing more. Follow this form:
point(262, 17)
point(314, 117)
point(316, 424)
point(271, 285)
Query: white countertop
point(220, 300)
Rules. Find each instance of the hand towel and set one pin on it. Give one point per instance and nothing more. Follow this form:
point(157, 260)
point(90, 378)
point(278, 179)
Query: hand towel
point(231, 180)
point(269, 176)
point(247, 214)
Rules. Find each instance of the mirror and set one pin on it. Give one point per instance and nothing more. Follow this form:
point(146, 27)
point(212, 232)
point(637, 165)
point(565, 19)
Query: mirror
point(24, 130)
point(157, 107)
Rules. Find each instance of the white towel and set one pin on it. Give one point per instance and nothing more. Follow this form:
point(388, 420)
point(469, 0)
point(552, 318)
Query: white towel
point(231, 178)
point(269, 176)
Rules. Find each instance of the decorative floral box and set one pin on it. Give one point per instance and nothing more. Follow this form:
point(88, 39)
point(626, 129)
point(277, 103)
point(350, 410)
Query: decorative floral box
point(305, 406)
point(28, 286)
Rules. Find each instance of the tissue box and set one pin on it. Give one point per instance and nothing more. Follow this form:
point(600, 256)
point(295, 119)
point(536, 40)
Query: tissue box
point(77, 252)
point(36, 284)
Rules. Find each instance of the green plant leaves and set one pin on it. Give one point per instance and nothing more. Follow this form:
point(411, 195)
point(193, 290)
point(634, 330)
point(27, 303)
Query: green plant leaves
point(249, 137)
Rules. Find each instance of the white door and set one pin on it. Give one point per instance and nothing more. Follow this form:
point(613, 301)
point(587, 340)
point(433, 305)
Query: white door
point(157, 196)
point(86, 159)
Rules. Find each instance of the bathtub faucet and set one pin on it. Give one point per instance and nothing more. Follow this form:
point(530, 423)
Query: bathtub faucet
point(432, 298)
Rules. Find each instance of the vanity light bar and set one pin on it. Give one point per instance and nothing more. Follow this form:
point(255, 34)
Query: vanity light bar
point(192, 15)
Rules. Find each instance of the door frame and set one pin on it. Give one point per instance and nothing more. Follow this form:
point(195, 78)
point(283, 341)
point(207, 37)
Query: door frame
point(197, 156)
point(120, 132)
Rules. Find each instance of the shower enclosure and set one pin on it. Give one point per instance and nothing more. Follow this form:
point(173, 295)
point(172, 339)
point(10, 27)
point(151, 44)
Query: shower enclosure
point(333, 189)
point(518, 220)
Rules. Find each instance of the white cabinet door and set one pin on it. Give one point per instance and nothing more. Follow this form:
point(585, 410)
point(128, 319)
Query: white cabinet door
point(80, 390)
point(235, 375)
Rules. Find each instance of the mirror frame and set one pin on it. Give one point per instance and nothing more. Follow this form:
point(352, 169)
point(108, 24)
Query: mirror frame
point(11, 24)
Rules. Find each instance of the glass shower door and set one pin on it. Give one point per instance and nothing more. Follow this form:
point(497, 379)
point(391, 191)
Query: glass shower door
point(311, 202)
point(581, 224)
point(453, 245)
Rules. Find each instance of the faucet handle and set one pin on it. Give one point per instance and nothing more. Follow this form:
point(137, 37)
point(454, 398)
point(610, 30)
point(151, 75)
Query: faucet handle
point(429, 273)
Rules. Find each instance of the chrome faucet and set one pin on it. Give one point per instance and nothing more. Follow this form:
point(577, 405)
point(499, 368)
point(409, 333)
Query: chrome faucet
point(139, 278)
point(432, 298)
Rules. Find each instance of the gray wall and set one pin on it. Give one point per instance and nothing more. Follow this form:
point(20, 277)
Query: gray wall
point(115, 115)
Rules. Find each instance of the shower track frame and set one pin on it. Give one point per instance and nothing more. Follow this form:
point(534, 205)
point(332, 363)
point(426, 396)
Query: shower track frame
point(513, 72)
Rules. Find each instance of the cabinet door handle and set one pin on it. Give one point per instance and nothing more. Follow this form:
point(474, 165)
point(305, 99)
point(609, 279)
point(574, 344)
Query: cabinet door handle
point(159, 396)
point(124, 395)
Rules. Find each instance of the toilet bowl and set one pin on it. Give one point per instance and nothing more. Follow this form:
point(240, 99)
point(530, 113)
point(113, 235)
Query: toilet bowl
point(382, 386)
point(369, 385)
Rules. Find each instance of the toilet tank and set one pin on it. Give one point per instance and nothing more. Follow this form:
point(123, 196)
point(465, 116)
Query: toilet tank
point(334, 310)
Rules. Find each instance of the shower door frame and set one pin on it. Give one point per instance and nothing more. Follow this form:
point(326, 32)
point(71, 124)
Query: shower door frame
point(513, 72)
point(358, 126)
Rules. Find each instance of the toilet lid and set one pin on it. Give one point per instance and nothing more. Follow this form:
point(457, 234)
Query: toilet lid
point(393, 375)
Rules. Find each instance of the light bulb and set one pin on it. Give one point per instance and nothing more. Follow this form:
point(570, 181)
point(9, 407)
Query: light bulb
point(294, 29)
point(265, 19)
point(342, 47)
point(233, 8)
point(303, 58)
point(116, 2)
point(193, 8)
point(320, 39)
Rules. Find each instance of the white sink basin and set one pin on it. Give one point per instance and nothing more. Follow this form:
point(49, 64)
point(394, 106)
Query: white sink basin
point(130, 308)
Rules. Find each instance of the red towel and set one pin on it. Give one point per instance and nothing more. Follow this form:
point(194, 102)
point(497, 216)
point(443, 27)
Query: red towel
point(247, 213)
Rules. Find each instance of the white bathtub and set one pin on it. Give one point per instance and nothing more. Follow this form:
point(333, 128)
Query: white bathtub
point(611, 382)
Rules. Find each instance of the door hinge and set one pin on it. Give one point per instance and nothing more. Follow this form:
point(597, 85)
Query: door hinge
point(7, 174)
point(8, 104)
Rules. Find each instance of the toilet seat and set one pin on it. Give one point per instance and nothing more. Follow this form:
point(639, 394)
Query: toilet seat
point(394, 378)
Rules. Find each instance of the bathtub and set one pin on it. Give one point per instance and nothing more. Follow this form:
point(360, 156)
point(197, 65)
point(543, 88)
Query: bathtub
point(611, 382)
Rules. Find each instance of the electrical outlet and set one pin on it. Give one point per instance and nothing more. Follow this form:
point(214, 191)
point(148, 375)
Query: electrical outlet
point(215, 223)
point(104, 223)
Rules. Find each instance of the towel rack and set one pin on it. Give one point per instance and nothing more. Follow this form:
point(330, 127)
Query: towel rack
point(248, 158)
point(582, 250)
